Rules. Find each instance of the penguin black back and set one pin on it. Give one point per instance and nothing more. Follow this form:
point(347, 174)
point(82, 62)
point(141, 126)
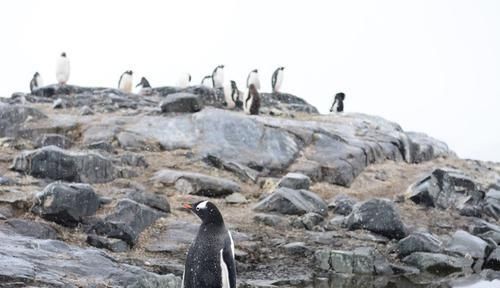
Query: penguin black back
point(210, 261)
point(339, 99)
point(144, 83)
point(255, 105)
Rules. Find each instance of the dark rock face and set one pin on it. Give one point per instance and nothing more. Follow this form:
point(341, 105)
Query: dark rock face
point(464, 244)
point(112, 244)
point(181, 103)
point(419, 242)
point(342, 205)
point(438, 264)
point(32, 229)
point(127, 221)
point(57, 164)
point(295, 181)
point(292, 202)
point(26, 261)
point(493, 261)
point(379, 216)
point(286, 103)
point(492, 203)
point(58, 140)
point(66, 204)
point(196, 183)
point(269, 219)
point(151, 200)
point(13, 117)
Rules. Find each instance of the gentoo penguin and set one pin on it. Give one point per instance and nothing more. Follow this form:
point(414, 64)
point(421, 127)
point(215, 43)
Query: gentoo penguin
point(125, 82)
point(277, 79)
point(218, 77)
point(253, 78)
point(252, 101)
point(62, 69)
point(36, 82)
point(145, 87)
point(184, 80)
point(232, 95)
point(340, 97)
point(207, 81)
point(210, 259)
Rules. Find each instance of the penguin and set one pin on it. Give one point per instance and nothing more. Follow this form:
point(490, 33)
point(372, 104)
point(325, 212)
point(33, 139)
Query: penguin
point(36, 82)
point(145, 87)
point(210, 259)
point(232, 95)
point(277, 79)
point(207, 81)
point(253, 78)
point(62, 69)
point(340, 97)
point(252, 101)
point(184, 80)
point(218, 77)
point(125, 82)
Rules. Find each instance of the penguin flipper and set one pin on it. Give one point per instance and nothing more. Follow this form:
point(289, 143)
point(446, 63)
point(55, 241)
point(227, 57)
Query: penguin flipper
point(228, 257)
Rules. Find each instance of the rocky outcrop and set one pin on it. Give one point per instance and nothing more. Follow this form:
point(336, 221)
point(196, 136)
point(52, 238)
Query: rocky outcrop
point(464, 244)
point(31, 229)
point(181, 103)
point(363, 260)
point(438, 264)
point(13, 118)
point(419, 242)
point(292, 202)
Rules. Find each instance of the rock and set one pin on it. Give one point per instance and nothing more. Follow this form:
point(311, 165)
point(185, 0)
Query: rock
point(381, 176)
point(32, 229)
point(424, 148)
point(306, 167)
point(342, 205)
point(196, 183)
point(66, 204)
point(29, 262)
point(493, 261)
point(243, 172)
point(296, 248)
point(481, 226)
point(14, 117)
point(418, 242)
point(438, 264)
point(127, 221)
point(133, 159)
point(379, 216)
point(491, 205)
point(181, 103)
point(151, 200)
point(58, 104)
point(58, 140)
point(115, 245)
point(322, 260)
point(295, 181)
point(464, 244)
point(86, 111)
point(57, 164)
point(236, 198)
point(445, 188)
point(362, 260)
point(309, 220)
point(287, 103)
point(5, 181)
point(134, 142)
point(269, 219)
point(292, 202)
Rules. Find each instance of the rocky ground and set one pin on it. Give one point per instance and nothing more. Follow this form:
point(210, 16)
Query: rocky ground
point(92, 181)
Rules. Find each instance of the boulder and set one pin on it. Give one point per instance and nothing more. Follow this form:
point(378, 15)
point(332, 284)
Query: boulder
point(464, 244)
point(151, 200)
point(295, 181)
point(438, 264)
point(58, 140)
point(127, 221)
point(66, 204)
point(32, 229)
point(243, 172)
point(57, 164)
point(112, 244)
point(362, 260)
point(379, 216)
point(307, 221)
point(236, 198)
point(181, 103)
point(296, 248)
point(493, 261)
point(418, 242)
point(5, 181)
point(269, 219)
point(292, 202)
point(134, 142)
point(13, 118)
point(342, 205)
point(196, 183)
point(491, 205)
point(286, 103)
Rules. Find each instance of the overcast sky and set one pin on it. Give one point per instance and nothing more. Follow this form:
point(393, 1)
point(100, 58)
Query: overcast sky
point(431, 65)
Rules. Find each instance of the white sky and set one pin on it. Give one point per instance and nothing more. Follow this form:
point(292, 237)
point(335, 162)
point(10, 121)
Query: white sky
point(431, 65)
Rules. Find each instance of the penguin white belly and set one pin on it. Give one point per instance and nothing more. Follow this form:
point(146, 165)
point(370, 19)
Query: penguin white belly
point(224, 272)
point(219, 78)
point(227, 96)
point(62, 70)
point(183, 81)
point(39, 81)
point(247, 102)
point(207, 82)
point(279, 81)
point(126, 83)
point(254, 79)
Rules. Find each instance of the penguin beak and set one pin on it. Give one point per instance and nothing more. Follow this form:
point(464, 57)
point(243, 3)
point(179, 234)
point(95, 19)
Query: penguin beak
point(187, 206)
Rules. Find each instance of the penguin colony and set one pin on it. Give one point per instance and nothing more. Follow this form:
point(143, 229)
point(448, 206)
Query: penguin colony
point(249, 100)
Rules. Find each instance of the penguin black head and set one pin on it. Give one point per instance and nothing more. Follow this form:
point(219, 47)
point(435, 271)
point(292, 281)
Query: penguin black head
point(220, 66)
point(130, 72)
point(282, 68)
point(63, 54)
point(255, 70)
point(233, 84)
point(144, 83)
point(189, 77)
point(36, 74)
point(206, 211)
point(340, 96)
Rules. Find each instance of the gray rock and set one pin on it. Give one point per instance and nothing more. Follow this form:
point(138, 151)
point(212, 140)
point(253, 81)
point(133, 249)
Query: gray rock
point(295, 181)
point(133, 159)
point(127, 221)
point(14, 117)
point(424, 148)
point(438, 264)
point(269, 219)
point(322, 260)
point(86, 111)
point(493, 235)
point(342, 205)
point(66, 204)
point(5, 181)
point(464, 244)
point(493, 261)
point(491, 204)
point(32, 229)
point(236, 198)
point(362, 260)
point(196, 183)
point(296, 248)
point(135, 142)
point(287, 103)
point(292, 202)
point(151, 200)
point(243, 172)
point(58, 140)
point(58, 104)
point(379, 216)
point(57, 164)
point(312, 169)
point(181, 103)
point(310, 219)
point(115, 245)
point(419, 242)
point(29, 262)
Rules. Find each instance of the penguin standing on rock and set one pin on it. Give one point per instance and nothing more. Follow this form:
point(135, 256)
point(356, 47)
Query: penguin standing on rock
point(339, 99)
point(207, 81)
point(232, 95)
point(218, 77)
point(253, 78)
point(125, 82)
point(145, 87)
point(252, 101)
point(184, 80)
point(36, 82)
point(62, 69)
point(277, 79)
point(210, 261)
